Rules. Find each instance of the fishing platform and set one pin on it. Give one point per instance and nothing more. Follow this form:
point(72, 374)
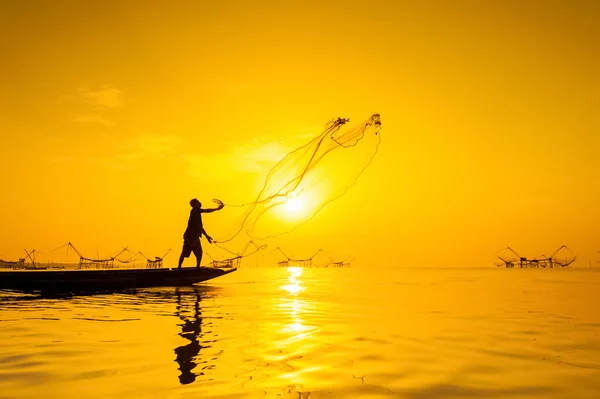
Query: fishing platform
point(561, 257)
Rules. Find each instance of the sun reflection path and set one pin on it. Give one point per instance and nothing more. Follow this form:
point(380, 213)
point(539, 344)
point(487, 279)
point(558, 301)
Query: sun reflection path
point(294, 307)
point(297, 336)
point(294, 287)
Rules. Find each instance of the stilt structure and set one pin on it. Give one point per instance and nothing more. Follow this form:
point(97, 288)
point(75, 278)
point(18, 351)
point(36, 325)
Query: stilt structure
point(155, 263)
point(86, 263)
point(289, 262)
point(20, 264)
point(511, 259)
point(32, 255)
point(132, 256)
point(225, 263)
point(343, 263)
point(237, 259)
point(12, 264)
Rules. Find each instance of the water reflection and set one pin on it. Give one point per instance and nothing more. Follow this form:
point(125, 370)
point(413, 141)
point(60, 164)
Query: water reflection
point(295, 330)
point(118, 307)
point(294, 287)
point(296, 339)
point(190, 330)
point(294, 306)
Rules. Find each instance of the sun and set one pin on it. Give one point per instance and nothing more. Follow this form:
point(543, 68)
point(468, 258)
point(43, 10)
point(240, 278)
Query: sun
point(296, 206)
point(293, 206)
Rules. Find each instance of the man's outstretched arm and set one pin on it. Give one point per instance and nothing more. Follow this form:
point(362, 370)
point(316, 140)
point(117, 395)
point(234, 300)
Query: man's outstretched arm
point(210, 210)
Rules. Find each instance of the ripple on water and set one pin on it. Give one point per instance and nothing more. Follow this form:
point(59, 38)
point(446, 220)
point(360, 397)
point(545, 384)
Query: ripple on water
point(312, 333)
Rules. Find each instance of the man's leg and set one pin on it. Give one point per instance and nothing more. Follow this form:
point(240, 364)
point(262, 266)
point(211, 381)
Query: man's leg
point(198, 252)
point(199, 258)
point(185, 252)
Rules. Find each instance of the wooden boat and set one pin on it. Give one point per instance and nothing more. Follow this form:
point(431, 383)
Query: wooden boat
point(105, 279)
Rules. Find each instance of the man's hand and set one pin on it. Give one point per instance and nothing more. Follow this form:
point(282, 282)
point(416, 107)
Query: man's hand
point(220, 204)
point(209, 239)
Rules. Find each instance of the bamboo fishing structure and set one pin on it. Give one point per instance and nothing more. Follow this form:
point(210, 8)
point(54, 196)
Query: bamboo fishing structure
point(20, 264)
point(342, 263)
point(237, 259)
point(14, 264)
point(514, 260)
point(155, 263)
point(87, 263)
point(289, 262)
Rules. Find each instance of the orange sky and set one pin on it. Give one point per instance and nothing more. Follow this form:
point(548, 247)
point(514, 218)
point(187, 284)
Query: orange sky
point(114, 114)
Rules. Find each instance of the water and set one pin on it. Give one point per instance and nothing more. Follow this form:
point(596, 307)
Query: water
point(318, 333)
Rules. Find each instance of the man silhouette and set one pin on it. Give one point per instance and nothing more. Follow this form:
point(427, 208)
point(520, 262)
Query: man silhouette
point(194, 231)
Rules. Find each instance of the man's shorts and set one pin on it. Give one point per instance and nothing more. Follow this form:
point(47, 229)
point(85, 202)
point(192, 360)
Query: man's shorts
point(191, 245)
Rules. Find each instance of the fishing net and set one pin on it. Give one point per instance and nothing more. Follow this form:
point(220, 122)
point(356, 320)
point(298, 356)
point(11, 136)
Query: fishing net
point(234, 259)
point(306, 180)
point(563, 256)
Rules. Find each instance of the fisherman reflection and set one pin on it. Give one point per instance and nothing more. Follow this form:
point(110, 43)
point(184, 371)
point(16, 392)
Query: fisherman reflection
point(190, 330)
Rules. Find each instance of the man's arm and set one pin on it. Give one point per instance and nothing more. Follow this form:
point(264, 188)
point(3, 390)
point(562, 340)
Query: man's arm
point(209, 238)
point(210, 210)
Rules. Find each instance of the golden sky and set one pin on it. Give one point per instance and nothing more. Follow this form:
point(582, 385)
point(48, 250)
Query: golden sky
point(114, 114)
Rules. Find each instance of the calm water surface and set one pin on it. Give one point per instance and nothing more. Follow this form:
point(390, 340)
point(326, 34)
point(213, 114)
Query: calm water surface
point(318, 333)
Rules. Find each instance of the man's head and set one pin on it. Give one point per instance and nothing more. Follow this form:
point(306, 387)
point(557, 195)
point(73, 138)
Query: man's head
point(195, 203)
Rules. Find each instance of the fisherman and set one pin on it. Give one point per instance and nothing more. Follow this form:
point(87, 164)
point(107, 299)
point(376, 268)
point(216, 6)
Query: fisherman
point(194, 231)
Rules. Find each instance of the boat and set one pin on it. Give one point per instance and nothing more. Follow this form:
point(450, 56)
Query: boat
point(106, 279)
